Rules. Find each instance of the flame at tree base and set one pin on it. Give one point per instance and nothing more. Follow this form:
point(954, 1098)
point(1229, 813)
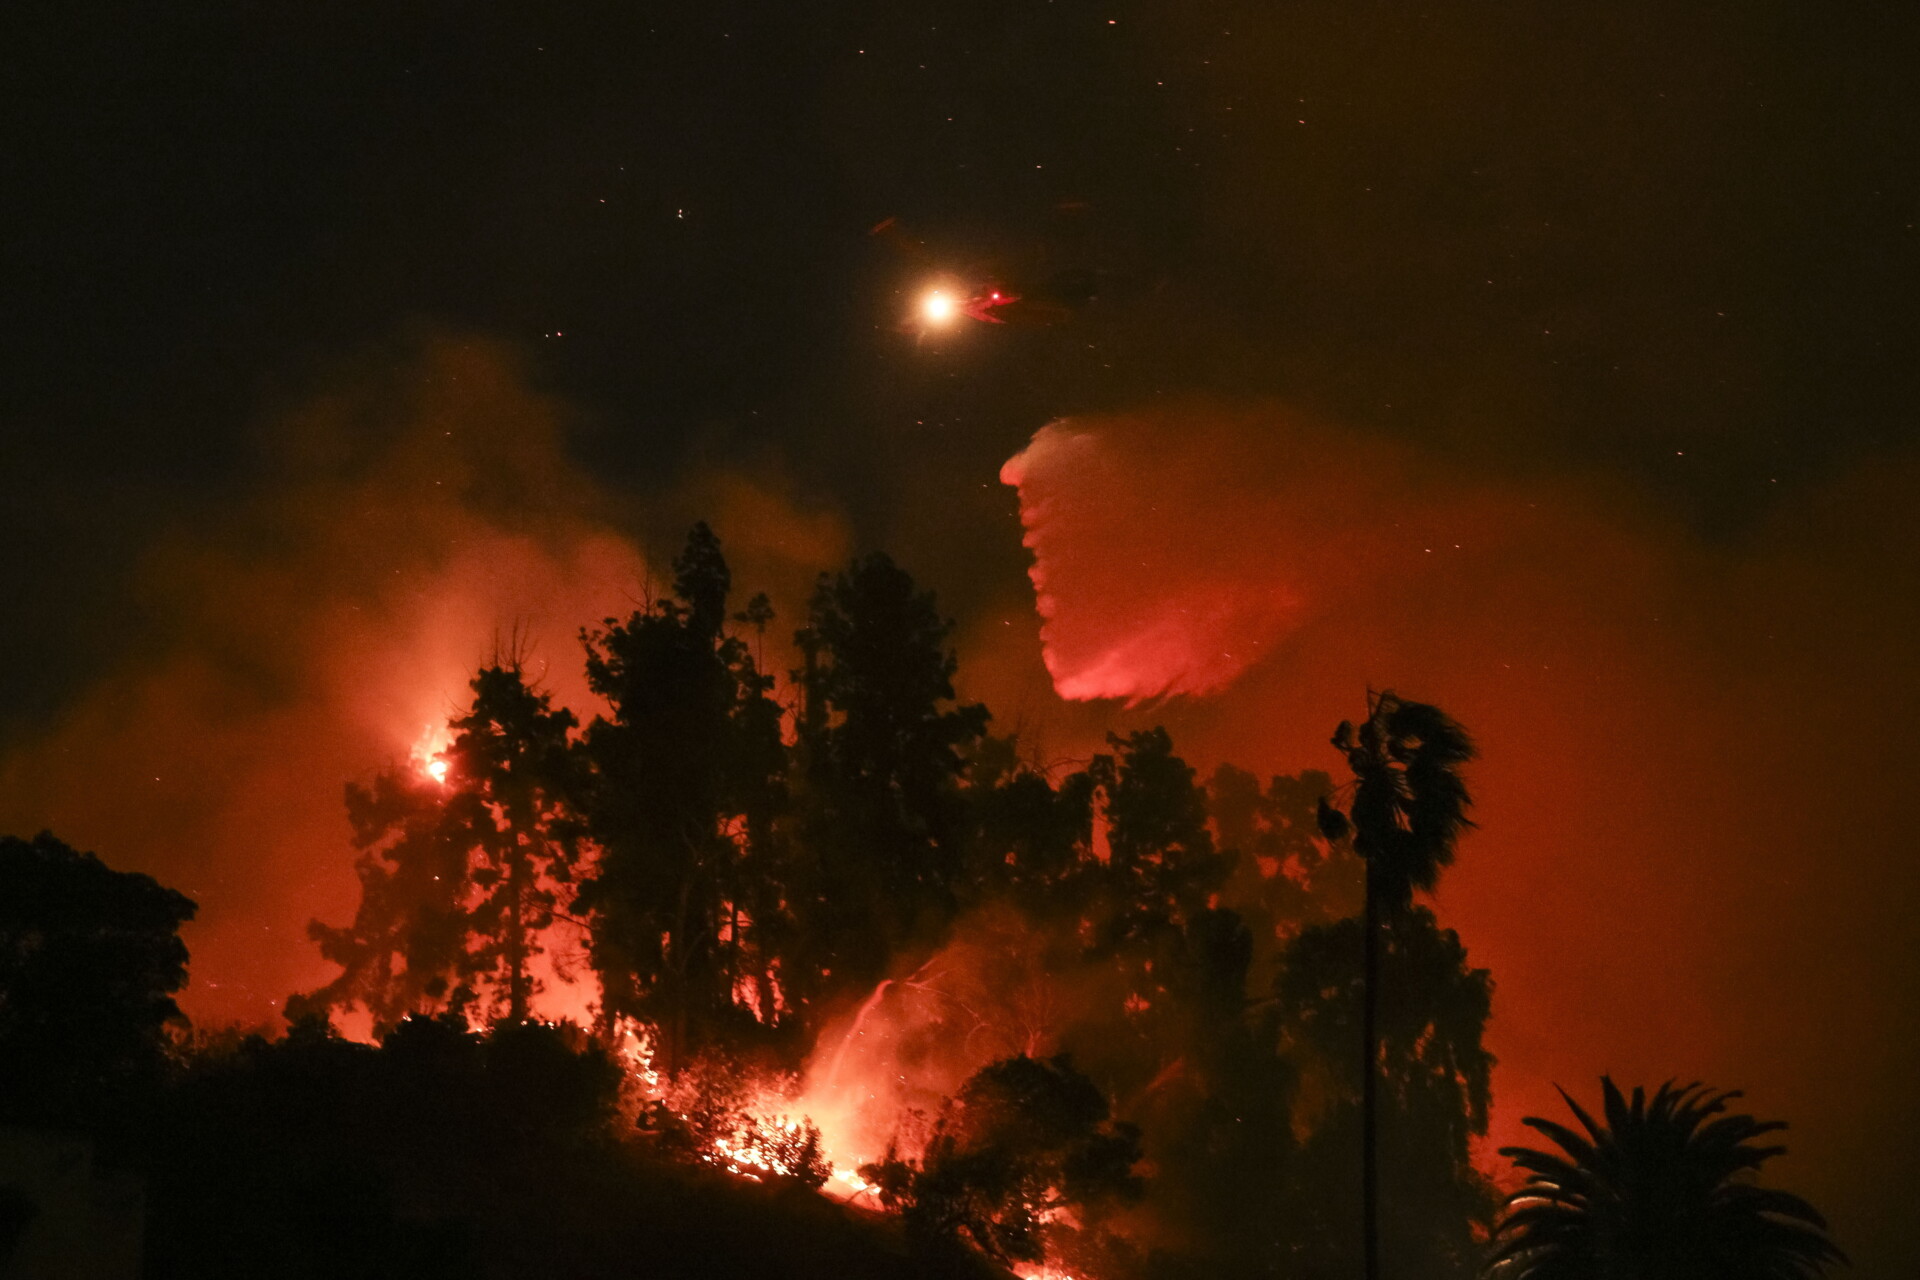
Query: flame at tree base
point(816, 1132)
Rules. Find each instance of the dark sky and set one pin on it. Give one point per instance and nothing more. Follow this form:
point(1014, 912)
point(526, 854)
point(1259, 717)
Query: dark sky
point(1652, 267)
point(1540, 236)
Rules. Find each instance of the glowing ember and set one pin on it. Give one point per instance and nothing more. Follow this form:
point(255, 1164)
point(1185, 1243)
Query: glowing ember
point(852, 1181)
point(633, 1042)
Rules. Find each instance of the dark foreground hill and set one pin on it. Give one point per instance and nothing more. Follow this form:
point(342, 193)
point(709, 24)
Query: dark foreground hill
point(442, 1154)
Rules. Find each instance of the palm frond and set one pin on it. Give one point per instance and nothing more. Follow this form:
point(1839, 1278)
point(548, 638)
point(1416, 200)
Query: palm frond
point(1660, 1188)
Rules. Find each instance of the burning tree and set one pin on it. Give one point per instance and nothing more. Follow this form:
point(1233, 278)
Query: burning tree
point(462, 867)
point(889, 854)
point(715, 1113)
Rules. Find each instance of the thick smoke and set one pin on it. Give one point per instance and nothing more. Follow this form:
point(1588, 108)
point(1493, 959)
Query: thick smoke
point(1693, 856)
point(416, 517)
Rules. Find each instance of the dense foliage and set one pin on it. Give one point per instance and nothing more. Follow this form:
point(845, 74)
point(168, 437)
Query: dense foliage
point(1023, 1142)
point(1147, 1025)
point(90, 959)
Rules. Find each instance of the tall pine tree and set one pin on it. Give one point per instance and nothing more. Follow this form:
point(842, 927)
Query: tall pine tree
point(882, 746)
point(688, 779)
point(516, 777)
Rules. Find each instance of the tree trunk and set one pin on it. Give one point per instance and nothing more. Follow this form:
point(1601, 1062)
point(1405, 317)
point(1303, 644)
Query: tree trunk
point(1370, 1087)
point(733, 947)
point(519, 1000)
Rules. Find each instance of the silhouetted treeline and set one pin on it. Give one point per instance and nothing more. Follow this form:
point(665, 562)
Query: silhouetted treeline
point(1168, 987)
point(448, 1153)
point(90, 960)
point(745, 867)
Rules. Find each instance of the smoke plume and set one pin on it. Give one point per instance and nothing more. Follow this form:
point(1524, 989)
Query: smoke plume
point(415, 517)
point(1676, 736)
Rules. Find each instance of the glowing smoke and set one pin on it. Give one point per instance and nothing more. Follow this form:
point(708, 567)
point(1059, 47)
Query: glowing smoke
point(1141, 528)
point(418, 512)
point(1671, 730)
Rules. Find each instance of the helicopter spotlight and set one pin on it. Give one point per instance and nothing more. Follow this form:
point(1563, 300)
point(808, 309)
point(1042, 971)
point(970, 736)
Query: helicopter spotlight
point(1037, 300)
point(938, 308)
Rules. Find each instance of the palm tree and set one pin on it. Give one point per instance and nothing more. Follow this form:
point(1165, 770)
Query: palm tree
point(1408, 811)
point(1663, 1192)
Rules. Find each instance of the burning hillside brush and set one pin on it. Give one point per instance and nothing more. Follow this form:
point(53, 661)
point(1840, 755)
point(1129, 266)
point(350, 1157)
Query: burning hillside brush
point(1024, 1159)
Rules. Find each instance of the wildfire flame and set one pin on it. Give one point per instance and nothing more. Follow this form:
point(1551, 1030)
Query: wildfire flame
point(766, 1133)
point(429, 751)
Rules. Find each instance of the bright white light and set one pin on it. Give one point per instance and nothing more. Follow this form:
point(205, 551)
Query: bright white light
point(938, 307)
point(437, 769)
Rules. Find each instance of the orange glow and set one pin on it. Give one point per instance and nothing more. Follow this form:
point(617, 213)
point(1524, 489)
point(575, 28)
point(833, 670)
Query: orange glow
point(1596, 654)
point(429, 750)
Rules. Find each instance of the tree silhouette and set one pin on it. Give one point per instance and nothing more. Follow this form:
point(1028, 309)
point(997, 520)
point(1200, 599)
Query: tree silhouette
point(1288, 875)
point(90, 959)
point(461, 872)
point(1407, 811)
point(1028, 838)
point(1147, 891)
point(1221, 1109)
point(1023, 1141)
point(1662, 1191)
point(443, 1152)
point(688, 772)
point(1433, 1078)
point(881, 745)
point(17, 1212)
point(405, 950)
point(1162, 865)
point(516, 779)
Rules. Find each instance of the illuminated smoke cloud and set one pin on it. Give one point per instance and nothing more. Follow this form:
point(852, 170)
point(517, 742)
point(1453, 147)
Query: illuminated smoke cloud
point(417, 512)
point(1672, 727)
point(1094, 520)
point(1176, 549)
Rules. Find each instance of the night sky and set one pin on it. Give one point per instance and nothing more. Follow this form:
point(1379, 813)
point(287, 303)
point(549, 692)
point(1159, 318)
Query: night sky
point(1556, 364)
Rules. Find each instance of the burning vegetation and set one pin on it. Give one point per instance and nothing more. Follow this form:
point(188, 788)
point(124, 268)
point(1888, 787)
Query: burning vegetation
point(840, 936)
point(738, 940)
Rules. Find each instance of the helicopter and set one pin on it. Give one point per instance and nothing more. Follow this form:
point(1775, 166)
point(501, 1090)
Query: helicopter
point(1039, 300)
